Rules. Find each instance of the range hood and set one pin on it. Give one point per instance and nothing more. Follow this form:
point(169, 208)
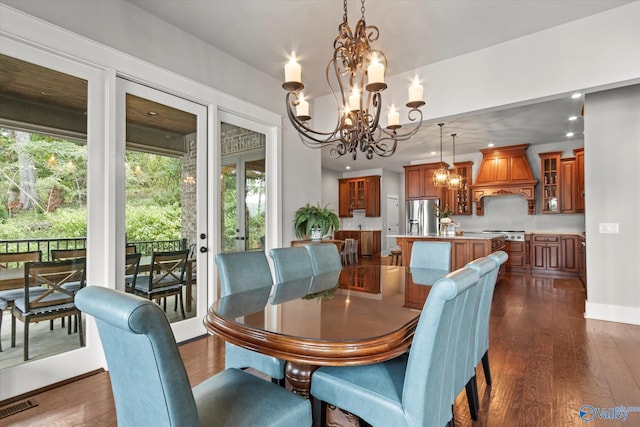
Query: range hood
point(504, 171)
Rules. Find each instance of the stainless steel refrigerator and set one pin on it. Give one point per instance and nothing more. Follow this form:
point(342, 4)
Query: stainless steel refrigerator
point(421, 217)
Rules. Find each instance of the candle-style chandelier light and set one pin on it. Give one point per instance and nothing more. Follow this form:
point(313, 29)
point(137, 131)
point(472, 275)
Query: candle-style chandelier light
point(355, 67)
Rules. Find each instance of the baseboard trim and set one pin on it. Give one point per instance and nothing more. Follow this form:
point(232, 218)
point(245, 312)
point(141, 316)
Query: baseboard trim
point(612, 313)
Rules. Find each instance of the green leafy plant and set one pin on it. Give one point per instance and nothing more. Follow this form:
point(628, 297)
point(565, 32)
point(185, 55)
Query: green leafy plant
point(443, 213)
point(309, 217)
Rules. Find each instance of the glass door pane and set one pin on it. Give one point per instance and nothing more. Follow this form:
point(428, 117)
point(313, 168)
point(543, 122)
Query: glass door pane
point(43, 201)
point(243, 189)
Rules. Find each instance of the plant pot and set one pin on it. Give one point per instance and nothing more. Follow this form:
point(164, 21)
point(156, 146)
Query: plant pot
point(316, 234)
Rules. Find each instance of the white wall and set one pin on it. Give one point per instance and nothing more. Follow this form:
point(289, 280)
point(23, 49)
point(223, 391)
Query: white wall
point(612, 160)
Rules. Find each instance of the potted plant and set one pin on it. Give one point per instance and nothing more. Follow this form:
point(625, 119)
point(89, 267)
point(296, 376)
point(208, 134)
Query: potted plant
point(315, 222)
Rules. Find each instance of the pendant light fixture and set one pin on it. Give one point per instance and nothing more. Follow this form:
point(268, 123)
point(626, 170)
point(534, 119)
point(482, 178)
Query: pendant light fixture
point(355, 74)
point(455, 180)
point(441, 175)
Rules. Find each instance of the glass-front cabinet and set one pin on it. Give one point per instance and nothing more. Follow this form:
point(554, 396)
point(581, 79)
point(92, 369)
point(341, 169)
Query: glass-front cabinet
point(549, 167)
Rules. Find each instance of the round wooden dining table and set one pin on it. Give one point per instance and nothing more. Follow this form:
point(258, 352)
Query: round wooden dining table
point(363, 314)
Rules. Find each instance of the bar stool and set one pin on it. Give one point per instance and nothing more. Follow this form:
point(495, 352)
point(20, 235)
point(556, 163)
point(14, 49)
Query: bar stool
point(396, 256)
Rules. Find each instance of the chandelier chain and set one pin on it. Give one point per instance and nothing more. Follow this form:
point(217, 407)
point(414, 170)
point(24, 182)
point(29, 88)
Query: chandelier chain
point(345, 19)
point(362, 9)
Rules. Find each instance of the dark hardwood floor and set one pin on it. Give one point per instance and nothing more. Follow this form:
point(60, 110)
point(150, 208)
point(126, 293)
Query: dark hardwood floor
point(547, 361)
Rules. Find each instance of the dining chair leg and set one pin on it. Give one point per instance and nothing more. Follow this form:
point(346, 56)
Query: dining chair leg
point(80, 330)
point(13, 330)
point(319, 412)
point(182, 306)
point(1, 316)
point(472, 397)
point(25, 344)
point(486, 368)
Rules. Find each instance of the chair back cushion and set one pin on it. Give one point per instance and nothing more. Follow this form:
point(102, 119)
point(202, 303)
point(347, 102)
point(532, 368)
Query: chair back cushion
point(149, 381)
point(428, 254)
point(324, 258)
point(242, 271)
point(427, 391)
point(291, 263)
point(488, 268)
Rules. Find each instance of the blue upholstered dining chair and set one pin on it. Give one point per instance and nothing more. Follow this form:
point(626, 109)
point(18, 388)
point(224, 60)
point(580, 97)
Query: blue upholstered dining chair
point(291, 263)
point(243, 271)
point(487, 267)
point(324, 258)
point(149, 381)
point(414, 389)
point(430, 254)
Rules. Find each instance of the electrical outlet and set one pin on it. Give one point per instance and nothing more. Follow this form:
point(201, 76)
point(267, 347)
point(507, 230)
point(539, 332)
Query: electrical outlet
point(609, 227)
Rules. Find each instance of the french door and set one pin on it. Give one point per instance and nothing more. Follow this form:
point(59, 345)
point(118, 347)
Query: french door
point(162, 185)
point(242, 188)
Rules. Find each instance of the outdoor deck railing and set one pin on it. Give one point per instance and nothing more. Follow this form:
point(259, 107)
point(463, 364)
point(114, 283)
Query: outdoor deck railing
point(46, 245)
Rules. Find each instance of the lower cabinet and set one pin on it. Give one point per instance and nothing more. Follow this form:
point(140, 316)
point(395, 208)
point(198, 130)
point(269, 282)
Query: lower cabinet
point(545, 253)
point(369, 241)
point(555, 253)
point(517, 260)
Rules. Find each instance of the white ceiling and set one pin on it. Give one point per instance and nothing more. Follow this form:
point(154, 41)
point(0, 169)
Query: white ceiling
point(262, 33)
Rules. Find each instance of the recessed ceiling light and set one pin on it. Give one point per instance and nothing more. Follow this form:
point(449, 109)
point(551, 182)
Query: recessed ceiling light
point(433, 153)
point(570, 134)
point(576, 95)
point(347, 167)
point(490, 145)
point(573, 118)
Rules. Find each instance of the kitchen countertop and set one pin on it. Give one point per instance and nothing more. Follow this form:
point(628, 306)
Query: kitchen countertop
point(465, 236)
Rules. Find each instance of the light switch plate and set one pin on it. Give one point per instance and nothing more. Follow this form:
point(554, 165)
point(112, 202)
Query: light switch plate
point(609, 227)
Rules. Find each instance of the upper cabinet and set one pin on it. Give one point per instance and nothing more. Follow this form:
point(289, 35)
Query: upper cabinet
point(579, 152)
point(418, 181)
point(562, 182)
point(459, 201)
point(550, 176)
point(362, 193)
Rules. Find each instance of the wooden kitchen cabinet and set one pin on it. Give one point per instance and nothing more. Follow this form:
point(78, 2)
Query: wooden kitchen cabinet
point(545, 253)
point(459, 201)
point(582, 259)
point(569, 250)
point(550, 176)
point(361, 193)
point(568, 186)
point(370, 242)
point(579, 152)
point(418, 181)
point(517, 260)
point(562, 182)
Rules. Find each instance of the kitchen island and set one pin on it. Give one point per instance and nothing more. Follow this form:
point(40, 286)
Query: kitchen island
point(464, 248)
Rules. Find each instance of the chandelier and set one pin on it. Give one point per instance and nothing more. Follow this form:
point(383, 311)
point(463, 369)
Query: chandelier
point(441, 175)
point(359, 102)
point(454, 181)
